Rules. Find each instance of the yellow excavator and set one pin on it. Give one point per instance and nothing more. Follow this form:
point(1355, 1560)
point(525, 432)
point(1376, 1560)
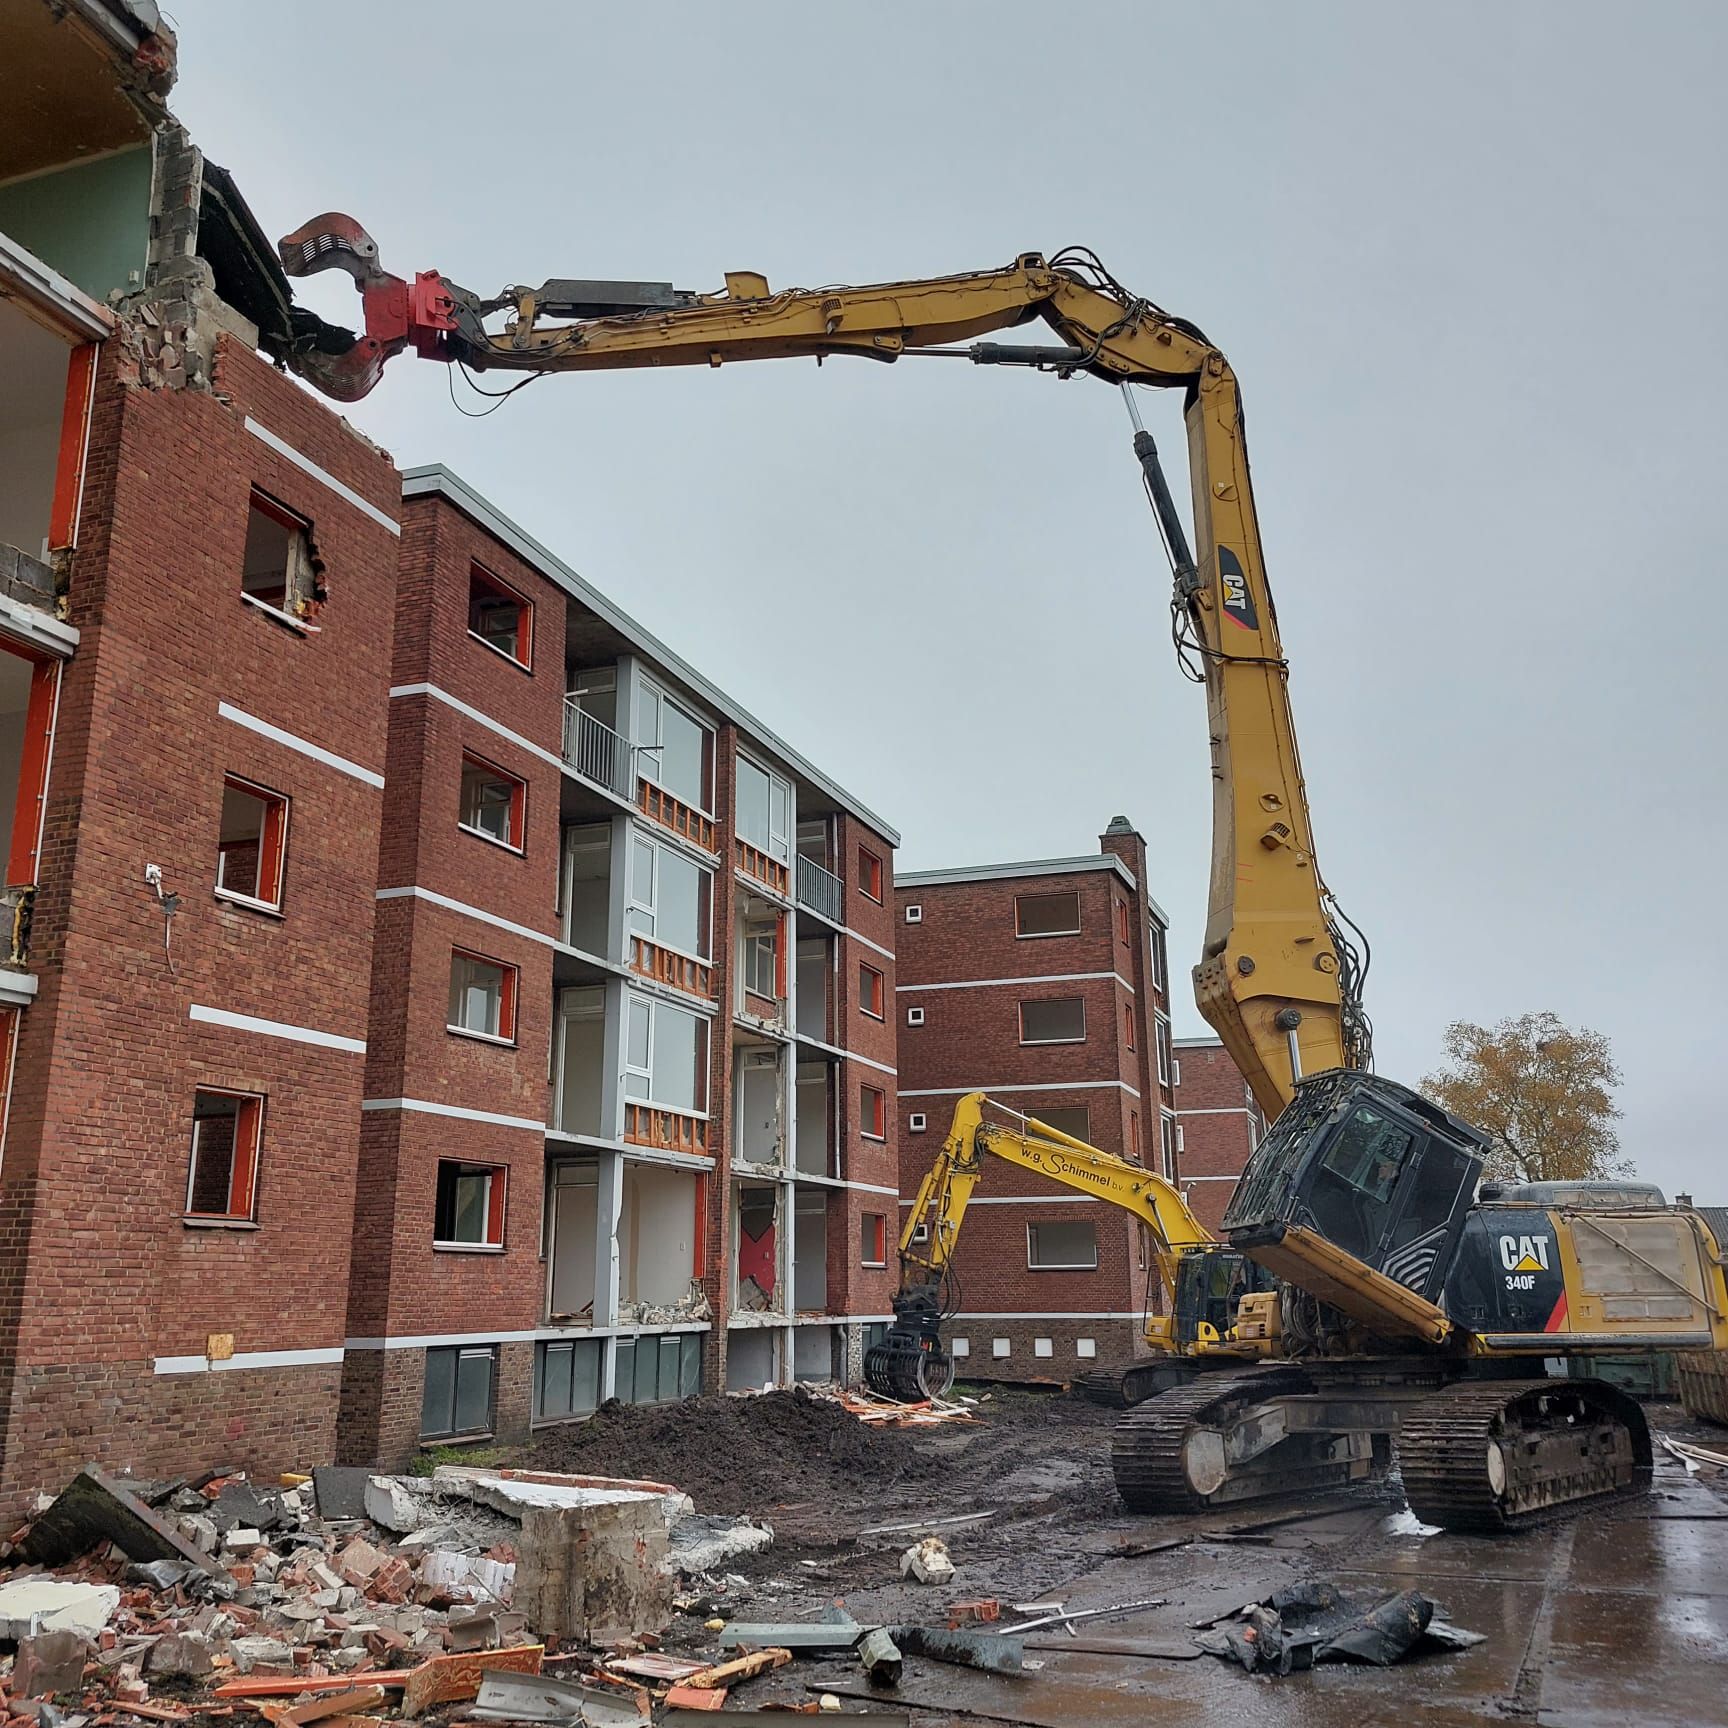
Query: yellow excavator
point(1415, 1307)
point(1206, 1313)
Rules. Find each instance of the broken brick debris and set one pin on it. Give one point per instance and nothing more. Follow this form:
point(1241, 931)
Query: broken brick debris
point(95, 1507)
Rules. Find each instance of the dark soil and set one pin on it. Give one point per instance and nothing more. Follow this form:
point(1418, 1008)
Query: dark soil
point(738, 1454)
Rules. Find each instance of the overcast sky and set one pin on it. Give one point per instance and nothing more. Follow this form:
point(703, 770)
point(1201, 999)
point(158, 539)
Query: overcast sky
point(1467, 260)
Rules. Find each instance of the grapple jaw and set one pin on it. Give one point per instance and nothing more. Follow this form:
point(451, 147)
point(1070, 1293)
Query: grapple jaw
point(398, 314)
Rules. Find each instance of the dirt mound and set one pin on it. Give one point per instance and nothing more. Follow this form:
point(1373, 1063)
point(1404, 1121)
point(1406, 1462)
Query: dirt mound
point(737, 1454)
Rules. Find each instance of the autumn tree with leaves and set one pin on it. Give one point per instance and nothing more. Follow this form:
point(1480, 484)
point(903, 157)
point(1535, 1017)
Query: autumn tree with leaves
point(1543, 1093)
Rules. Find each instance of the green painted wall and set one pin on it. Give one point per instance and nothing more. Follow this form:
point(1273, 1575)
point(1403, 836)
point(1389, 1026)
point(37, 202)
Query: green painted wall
point(91, 221)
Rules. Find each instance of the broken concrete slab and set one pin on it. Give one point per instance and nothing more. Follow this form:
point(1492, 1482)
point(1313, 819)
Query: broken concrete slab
point(49, 1663)
point(340, 1490)
point(398, 1503)
point(594, 1571)
point(707, 1543)
point(928, 1562)
point(94, 1508)
point(515, 1492)
point(35, 1604)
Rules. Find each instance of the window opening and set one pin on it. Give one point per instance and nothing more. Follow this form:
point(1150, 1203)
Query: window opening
point(469, 1207)
point(493, 804)
point(1047, 914)
point(251, 844)
point(499, 616)
point(873, 1112)
point(875, 1239)
point(871, 991)
point(1074, 1120)
point(870, 874)
point(279, 569)
point(665, 1055)
point(457, 1398)
point(482, 996)
point(1062, 1245)
point(1053, 1020)
point(221, 1181)
point(764, 803)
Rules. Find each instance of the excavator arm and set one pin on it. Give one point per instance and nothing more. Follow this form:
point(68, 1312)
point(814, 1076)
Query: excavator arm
point(1276, 980)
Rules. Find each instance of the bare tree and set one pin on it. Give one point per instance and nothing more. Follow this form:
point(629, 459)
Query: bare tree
point(1542, 1091)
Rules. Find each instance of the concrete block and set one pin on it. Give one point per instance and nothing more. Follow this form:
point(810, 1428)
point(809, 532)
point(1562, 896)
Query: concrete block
point(180, 1653)
point(48, 1663)
point(594, 1572)
point(397, 1504)
point(35, 1604)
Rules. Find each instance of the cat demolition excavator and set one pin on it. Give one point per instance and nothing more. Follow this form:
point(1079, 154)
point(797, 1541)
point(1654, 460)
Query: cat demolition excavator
point(1410, 1314)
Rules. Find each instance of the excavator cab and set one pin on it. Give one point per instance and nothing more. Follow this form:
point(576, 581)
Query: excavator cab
point(1379, 1171)
point(1210, 1285)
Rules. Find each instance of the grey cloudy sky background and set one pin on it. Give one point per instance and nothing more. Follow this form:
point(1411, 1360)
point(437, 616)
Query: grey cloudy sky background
point(1468, 261)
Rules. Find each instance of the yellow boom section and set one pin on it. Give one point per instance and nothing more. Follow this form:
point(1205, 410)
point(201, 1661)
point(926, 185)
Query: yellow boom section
point(1268, 980)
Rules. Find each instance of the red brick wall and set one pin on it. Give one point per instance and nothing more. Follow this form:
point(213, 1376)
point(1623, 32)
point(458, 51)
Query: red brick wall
point(98, 1274)
point(1220, 1127)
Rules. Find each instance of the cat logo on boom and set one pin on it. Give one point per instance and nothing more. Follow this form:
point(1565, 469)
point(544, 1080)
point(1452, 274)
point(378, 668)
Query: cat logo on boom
point(1523, 1257)
point(1238, 602)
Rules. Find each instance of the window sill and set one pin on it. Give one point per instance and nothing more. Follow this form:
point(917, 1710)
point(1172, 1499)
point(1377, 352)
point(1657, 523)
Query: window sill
point(874, 1265)
point(1042, 935)
point(468, 1437)
point(1031, 1043)
point(286, 619)
point(1092, 1268)
point(196, 1221)
point(878, 1139)
point(502, 653)
point(481, 1037)
point(245, 903)
point(467, 1247)
point(870, 1014)
point(864, 893)
point(492, 840)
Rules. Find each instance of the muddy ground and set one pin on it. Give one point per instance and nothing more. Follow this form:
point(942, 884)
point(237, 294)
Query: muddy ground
point(1619, 1616)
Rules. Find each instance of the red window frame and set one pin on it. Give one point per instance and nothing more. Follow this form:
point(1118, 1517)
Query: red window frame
point(294, 523)
point(872, 991)
point(243, 1169)
point(272, 845)
point(869, 875)
point(875, 1242)
point(1128, 1023)
point(506, 1033)
point(23, 859)
point(518, 825)
point(497, 1190)
point(521, 650)
point(1122, 928)
point(873, 1112)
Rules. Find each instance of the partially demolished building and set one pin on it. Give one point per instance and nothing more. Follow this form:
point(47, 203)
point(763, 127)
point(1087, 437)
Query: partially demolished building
point(365, 866)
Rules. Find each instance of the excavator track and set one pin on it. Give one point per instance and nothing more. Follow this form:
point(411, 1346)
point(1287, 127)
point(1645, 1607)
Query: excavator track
point(1122, 1387)
point(1495, 1456)
point(1153, 1454)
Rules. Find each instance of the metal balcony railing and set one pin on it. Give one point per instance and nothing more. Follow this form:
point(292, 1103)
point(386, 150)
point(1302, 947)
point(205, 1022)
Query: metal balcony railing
point(597, 753)
point(820, 890)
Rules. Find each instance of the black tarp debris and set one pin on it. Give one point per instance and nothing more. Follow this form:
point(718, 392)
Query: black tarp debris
point(1316, 1622)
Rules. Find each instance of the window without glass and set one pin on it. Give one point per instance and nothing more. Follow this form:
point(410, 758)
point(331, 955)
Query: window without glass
point(873, 1113)
point(670, 897)
point(871, 991)
point(875, 1239)
point(1134, 1135)
point(252, 843)
point(499, 616)
point(1071, 1119)
point(1046, 914)
point(764, 810)
point(1062, 1245)
point(482, 996)
point(1053, 1020)
point(665, 1054)
point(761, 958)
point(493, 804)
point(222, 1179)
point(1167, 1136)
point(870, 874)
point(675, 750)
point(277, 569)
point(469, 1209)
point(1162, 1032)
point(457, 1398)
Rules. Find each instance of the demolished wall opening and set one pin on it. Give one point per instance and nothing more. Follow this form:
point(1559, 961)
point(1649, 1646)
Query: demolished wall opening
point(572, 1223)
point(818, 1353)
point(587, 885)
point(759, 1133)
point(752, 1359)
point(578, 1060)
point(36, 365)
point(816, 1142)
point(657, 1239)
point(810, 1252)
point(815, 968)
point(757, 1262)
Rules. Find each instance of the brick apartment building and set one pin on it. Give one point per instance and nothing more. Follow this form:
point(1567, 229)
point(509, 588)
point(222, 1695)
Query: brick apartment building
point(428, 1006)
point(1218, 1125)
point(1045, 984)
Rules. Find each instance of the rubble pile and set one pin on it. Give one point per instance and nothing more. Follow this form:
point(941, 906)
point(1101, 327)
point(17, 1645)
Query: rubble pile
point(126, 1599)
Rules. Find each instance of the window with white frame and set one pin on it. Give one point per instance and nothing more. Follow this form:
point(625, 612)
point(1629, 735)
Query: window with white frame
point(1053, 1020)
point(764, 810)
point(492, 803)
point(1157, 955)
point(760, 944)
point(674, 749)
point(916, 1121)
point(914, 1016)
point(1168, 1141)
point(665, 1054)
point(1163, 1035)
point(914, 914)
point(671, 897)
point(1062, 1245)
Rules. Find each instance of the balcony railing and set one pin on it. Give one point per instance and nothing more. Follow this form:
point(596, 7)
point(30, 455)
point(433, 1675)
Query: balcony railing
point(596, 752)
point(756, 864)
point(660, 806)
point(665, 966)
point(665, 1130)
point(821, 890)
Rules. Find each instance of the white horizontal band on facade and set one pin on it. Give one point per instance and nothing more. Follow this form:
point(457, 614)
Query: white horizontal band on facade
point(426, 1107)
point(275, 1029)
point(1187, 1179)
point(306, 465)
point(227, 711)
point(1047, 1314)
point(848, 1055)
point(859, 936)
point(992, 983)
point(813, 1180)
point(474, 714)
point(468, 911)
point(1236, 1110)
point(1043, 1086)
point(37, 628)
point(243, 1359)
